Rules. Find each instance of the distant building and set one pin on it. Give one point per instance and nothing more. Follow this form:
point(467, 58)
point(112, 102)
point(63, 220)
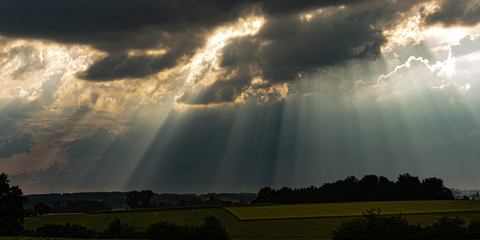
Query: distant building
point(30, 212)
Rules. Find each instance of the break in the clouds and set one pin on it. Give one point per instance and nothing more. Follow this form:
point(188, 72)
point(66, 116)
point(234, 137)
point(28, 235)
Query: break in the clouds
point(192, 96)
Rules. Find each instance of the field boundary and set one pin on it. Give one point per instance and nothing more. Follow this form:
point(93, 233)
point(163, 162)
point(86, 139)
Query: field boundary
point(347, 216)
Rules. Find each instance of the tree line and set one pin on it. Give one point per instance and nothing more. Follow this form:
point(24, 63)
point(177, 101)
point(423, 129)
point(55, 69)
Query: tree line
point(134, 200)
point(144, 199)
point(368, 188)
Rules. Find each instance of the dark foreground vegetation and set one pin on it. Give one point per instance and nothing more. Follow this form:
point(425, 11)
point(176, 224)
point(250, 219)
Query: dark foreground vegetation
point(212, 228)
point(125, 224)
point(369, 188)
point(12, 218)
point(373, 225)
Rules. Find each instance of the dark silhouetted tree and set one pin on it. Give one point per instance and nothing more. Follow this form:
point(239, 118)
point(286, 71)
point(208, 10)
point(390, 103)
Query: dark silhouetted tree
point(11, 208)
point(213, 229)
point(117, 229)
point(41, 208)
point(57, 207)
point(142, 199)
point(433, 188)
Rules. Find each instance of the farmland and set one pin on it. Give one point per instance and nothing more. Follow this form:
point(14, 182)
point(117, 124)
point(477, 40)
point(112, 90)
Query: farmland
point(296, 221)
point(350, 209)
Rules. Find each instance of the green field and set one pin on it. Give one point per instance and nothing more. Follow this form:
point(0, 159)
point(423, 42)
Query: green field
point(350, 209)
point(297, 221)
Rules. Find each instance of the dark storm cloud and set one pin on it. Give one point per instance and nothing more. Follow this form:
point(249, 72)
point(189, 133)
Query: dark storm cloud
point(92, 20)
point(116, 26)
point(452, 12)
point(287, 48)
point(304, 47)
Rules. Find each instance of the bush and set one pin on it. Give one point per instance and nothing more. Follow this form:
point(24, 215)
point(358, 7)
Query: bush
point(65, 231)
point(117, 229)
point(213, 229)
point(166, 231)
point(447, 228)
point(473, 230)
point(375, 226)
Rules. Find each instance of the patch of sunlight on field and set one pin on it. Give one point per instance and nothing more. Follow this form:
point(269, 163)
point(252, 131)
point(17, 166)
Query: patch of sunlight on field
point(350, 209)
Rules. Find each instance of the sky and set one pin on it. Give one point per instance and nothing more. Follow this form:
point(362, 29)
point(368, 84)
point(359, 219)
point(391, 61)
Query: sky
point(195, 96)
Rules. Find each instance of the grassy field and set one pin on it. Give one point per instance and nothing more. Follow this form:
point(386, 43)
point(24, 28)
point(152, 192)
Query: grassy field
point(350, 209)
point(312, 221)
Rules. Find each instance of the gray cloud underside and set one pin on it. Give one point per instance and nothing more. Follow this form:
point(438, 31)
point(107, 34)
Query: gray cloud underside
point(286, 46)
point(118, 26)
point(466, 46)
point(452, 12)
point(12, 140)
point(180, 27)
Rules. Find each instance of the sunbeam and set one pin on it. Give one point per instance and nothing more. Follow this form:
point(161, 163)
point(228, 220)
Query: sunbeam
point(235, 96)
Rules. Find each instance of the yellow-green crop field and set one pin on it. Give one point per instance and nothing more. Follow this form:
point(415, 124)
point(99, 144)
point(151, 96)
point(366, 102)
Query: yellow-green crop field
point(296, 221)
point(350, 209)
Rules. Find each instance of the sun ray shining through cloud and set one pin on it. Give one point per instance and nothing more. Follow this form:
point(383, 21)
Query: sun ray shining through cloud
point(193, 96)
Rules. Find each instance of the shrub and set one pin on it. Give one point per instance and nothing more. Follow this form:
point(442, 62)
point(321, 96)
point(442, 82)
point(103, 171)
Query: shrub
point(373, 225)
point(65, 231)
point(166, 231)
point(213, 229)
point(447, 228)
point(117, 229)
point(473, 229)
